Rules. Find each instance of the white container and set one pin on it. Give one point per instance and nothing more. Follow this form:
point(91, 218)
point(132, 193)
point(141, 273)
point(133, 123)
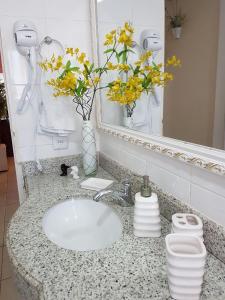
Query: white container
point(186, 256)
point(177, 31)
point(89, 149)
point(187, 224)
point(147, 216)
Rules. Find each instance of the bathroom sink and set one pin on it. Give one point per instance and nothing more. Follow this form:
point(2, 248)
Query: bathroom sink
point(82, 224)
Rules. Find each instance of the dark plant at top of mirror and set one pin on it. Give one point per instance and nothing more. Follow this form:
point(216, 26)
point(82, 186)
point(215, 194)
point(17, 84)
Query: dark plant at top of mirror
point(3, 104)
point(174, 14)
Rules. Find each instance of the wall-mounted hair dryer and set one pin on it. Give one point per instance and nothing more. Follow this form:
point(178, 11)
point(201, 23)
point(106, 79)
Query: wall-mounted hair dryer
point(26, 40)
point(25, 34)
point(151, 41)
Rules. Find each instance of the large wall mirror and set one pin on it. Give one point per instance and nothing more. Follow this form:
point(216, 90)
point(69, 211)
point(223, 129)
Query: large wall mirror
point(190, 110)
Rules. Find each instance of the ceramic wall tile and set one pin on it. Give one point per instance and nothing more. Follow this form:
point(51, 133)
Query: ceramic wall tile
point(169, 182)
point(23, 8)
point(209, 181)
point(209, 203)
point(113, 11)
point(71, 9)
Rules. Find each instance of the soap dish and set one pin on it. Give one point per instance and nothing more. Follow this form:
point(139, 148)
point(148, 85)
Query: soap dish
point(96, 184)
point(187, 224)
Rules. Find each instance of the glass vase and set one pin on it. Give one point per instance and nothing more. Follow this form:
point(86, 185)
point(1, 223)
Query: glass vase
point(89, 149)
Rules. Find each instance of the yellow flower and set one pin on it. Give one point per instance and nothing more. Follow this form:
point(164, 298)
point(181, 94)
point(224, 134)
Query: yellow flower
point(81, 58)
point(123, 67)
point(125, 92)
point(156, 80)
point(87, 83)
point(173, 61)
point(125, 38)
point(58, 63)
point(87, 63)
point(128, 27)
point(96, 80)
point(53, 58)
point(110, 66)
point(148, 68)
point(70, 51)
point(63, 86)
point(43, 66)
point(109, 37)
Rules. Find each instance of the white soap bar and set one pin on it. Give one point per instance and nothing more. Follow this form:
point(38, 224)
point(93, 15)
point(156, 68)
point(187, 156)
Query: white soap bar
point(96, 184)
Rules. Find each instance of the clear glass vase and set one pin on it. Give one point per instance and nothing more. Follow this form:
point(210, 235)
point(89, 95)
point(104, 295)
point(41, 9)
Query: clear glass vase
point(89, 149)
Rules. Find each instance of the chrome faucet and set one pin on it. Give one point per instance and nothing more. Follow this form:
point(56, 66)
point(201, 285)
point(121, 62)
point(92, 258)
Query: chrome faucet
point(124, 196)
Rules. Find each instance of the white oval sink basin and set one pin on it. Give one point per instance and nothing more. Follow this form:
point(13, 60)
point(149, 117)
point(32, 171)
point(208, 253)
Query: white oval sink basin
point(82, 224)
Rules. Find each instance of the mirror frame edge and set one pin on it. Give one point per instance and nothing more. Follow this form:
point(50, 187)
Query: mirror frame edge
point(206, 158)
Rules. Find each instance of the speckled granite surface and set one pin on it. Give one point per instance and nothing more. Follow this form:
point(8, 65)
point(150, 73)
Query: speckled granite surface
point(51, 165)
point(132, 268)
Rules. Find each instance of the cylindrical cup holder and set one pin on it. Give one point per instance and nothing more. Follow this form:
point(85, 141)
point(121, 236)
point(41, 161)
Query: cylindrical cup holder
point(186, 256)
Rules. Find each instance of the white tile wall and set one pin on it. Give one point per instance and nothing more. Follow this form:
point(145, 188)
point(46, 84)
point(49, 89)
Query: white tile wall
point(198, 188)
point(68, 22)
point(209, 203)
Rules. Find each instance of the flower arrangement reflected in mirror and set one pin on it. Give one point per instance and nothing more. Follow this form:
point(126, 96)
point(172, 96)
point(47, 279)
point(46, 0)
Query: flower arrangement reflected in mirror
point(76, 76)
point(176, 17)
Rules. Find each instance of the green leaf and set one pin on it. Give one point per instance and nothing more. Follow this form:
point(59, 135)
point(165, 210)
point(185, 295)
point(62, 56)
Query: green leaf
point(136, 70)
point(109, 50)
point(74, 69)
point(91, 68)
point(117, 57)
point(129, 50)
point(68, 64)
point(87, 70)
point(78, 89)
point(97, 70)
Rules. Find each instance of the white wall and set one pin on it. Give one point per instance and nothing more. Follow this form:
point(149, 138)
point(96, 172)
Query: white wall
point(68, 22)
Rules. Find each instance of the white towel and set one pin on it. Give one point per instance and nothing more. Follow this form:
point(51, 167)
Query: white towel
point(56, 113)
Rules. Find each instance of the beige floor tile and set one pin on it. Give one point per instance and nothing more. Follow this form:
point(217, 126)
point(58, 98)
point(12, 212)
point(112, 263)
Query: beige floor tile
point(6, 267)
point(9, 211)
point(9, 291)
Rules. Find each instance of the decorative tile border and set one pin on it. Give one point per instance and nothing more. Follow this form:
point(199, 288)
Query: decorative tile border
point(186, 157)
point(214, 234)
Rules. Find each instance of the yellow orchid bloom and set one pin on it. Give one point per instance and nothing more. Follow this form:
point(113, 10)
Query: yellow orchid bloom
point(173, 61)
point(70, 51)
point(81, 58)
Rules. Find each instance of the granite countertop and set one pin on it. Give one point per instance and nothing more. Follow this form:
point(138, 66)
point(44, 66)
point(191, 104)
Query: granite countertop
point(132, 268)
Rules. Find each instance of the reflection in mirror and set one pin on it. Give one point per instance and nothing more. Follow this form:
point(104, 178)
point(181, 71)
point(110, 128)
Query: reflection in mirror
point(191, 107)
